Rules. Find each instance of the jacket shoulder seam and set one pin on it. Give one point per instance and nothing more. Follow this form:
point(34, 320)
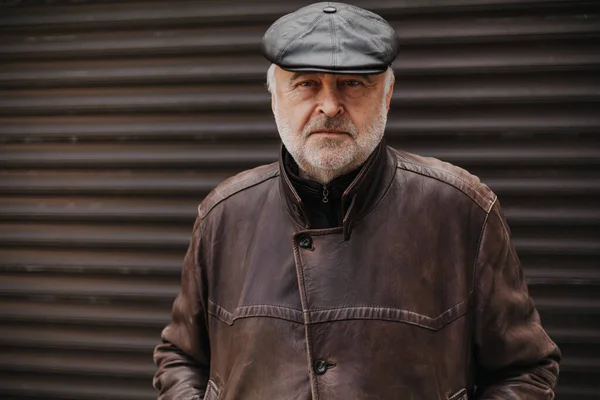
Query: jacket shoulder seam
point(234, 185)
point(484, 202)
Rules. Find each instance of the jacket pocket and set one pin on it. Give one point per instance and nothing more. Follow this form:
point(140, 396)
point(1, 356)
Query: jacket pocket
point(212, 391)
point(460, 395)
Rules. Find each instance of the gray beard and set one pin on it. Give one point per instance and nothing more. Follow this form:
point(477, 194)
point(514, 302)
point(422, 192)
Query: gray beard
point(314, 162)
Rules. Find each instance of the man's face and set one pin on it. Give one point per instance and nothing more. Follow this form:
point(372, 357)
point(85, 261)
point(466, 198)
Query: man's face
point(330, 123)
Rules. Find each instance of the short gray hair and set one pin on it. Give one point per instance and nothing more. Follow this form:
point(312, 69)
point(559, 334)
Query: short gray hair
point(389, 78)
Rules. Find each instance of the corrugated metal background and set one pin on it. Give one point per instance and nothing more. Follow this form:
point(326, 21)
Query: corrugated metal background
point(117, 118)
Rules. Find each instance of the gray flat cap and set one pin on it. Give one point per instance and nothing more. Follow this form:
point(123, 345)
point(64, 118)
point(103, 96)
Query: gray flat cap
point(333, 38)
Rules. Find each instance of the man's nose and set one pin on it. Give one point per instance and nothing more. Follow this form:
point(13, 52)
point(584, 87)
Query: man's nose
point(329, 103)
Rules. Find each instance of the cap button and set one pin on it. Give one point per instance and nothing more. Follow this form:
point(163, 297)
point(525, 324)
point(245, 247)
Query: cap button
point(329, 9)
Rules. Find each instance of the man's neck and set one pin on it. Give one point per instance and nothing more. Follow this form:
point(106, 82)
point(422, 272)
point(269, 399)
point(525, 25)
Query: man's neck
point(324, 176)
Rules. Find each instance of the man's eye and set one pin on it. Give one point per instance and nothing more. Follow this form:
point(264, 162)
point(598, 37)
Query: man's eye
point(306, 84)
point(352, 83)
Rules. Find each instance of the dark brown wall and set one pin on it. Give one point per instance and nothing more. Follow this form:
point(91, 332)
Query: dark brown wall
point(116, 118)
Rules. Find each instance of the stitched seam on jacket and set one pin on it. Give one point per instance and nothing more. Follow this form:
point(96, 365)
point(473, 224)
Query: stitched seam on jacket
point(258, 305)
point(474, 277)
point(344, 313)
point(371, 307)
point(263, 310)
point(489, 202)
point(461, 394)
point(478, 249)
point(432, 321)
point(212, 200)
point(214, 387)
point(468, 184)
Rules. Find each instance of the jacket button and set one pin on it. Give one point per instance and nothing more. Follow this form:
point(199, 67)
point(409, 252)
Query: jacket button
point(305, 242)
point(320, 367)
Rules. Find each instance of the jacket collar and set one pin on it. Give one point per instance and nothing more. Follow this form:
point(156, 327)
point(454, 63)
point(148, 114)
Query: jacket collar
point(363, 193)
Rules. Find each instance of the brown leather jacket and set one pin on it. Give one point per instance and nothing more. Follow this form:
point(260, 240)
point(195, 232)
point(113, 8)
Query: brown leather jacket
point(419, 295)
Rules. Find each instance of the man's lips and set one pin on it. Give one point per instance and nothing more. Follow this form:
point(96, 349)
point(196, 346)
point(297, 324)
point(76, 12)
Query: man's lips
point(329, 132)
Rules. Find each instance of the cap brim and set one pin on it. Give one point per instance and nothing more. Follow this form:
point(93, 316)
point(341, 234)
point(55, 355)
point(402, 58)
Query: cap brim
point(369, 70)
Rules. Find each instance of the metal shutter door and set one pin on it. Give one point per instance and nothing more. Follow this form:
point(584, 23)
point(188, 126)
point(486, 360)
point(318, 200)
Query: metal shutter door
point(116, 118)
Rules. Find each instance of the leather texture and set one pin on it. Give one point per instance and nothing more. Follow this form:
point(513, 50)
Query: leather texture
point(331, 37)
point(212, 392)
point(460, 395)
point(417, 295)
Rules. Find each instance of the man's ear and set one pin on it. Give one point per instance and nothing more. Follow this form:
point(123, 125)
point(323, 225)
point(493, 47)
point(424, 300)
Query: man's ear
point(390, 92)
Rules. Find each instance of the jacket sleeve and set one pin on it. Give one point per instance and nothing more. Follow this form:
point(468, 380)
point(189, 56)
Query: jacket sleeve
point(183, 358)
point(515, 357)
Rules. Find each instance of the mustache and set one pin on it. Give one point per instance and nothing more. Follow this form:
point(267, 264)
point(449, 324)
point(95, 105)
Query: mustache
point(324, 122)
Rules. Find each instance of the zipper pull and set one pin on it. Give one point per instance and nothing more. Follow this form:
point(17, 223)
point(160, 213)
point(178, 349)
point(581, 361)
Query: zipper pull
point(325, 194)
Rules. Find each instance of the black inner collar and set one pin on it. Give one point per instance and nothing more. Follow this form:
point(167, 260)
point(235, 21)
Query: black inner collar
point(321, 214)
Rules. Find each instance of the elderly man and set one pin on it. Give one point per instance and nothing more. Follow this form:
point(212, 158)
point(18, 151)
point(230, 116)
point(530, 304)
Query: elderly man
point(349, 270)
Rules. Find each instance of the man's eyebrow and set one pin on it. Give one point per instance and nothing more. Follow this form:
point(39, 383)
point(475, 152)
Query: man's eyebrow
point(297, 75)
point(368, 78)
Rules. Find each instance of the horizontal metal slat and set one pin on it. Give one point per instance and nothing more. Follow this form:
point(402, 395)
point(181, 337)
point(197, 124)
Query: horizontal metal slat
point(574, 335)
point(82, 286)
point(24, 385)
point(102, 183)
point(89, 261)
point(80, 339)
point(499, 88)
point(139, 156)
point(488, 57)
point(580, 364)
point(135, 14)
point(505, 119)
point(483, 26)
point(75, 364)
point(84, 314)
point(544, 215)
point(575, 275)
point(569, 245)
point(544, 186)
point(173, 211)
point(162, 13)
point(134, 72)
point(572, 305)
point(136, 127)
point(130, 43)
point(70, 101)
point(119, 236)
